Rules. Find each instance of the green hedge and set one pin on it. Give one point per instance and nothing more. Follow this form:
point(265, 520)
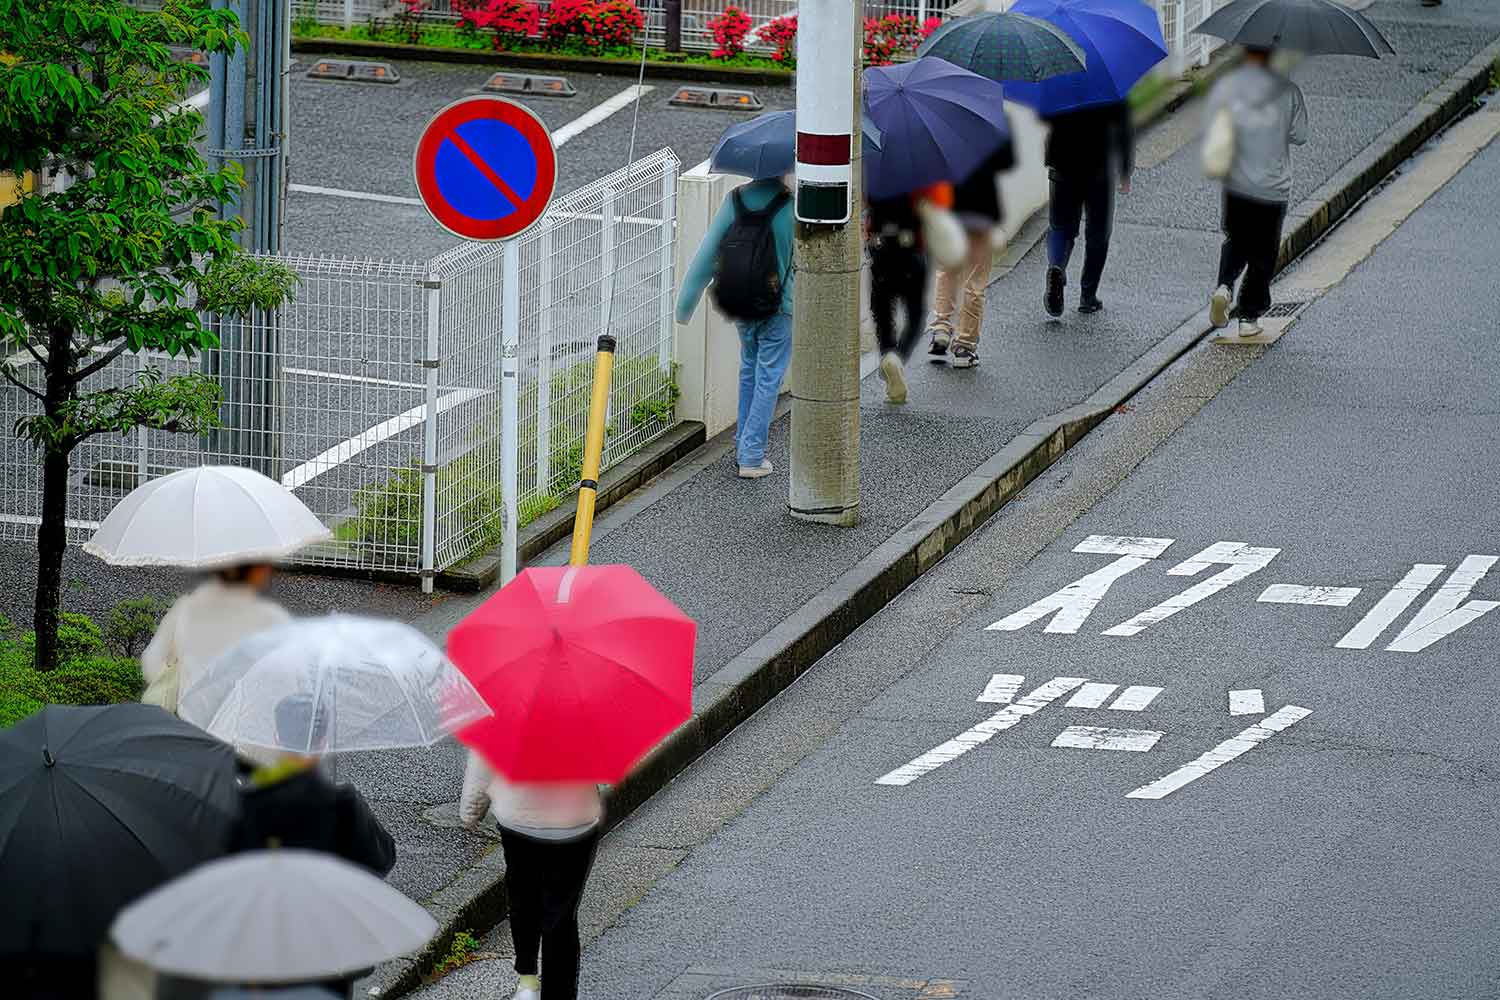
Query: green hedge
point(89, 671)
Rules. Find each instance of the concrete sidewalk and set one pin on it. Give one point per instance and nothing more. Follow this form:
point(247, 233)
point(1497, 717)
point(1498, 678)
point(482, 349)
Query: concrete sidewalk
point(771, 594)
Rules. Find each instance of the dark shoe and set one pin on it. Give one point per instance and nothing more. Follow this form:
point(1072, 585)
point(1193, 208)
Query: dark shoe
point(1053, 300)
point(963, 357)
point(1432, 3)
point(937, 351)
point(1090, 304)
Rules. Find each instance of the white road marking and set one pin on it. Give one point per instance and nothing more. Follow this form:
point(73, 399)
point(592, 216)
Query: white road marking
point(1391, 606)
point(1445, 612)
point(961, 744)
point(1092, 696)
point(1222, 754)
point(1099, 738)
point(1242, 560)
point(388, 199)
point(1071, 606)
point(70, 522)
point(365, 440)
point(1002, 689)
point(362, 379)
point(1135, 698)
point(1247, 702)
point(1290, 593)
point(599, 113)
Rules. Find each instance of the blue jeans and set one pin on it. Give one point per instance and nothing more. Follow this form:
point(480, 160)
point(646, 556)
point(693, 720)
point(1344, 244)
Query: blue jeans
point(765, 352)
point(1073, 198)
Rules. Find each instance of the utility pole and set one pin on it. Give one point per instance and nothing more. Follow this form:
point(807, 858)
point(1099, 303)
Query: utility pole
point(672, 13)
point(825, 313)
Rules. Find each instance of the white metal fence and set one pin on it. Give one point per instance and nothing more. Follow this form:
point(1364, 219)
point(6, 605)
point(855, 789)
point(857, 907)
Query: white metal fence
point(374, 395)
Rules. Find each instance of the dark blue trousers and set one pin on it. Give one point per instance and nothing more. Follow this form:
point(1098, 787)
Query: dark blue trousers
point(1086, 200)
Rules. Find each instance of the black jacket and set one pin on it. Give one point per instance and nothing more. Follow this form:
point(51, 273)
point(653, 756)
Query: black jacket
point(307, 810)
point(1092, 141)
point(979, 194)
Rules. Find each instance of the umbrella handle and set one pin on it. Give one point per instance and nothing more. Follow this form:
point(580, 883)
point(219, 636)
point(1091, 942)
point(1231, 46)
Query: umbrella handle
point(593, 452)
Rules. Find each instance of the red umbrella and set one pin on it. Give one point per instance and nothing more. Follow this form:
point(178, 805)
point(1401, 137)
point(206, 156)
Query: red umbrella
point(586, 667)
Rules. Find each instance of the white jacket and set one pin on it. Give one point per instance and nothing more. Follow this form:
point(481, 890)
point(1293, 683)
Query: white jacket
point(559, 811)
point(202, 624)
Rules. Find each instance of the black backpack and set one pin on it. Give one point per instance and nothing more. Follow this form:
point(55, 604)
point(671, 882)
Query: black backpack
point(747, 275)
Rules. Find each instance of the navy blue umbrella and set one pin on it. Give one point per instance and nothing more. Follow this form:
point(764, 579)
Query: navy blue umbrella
point(1005, 47)
point(939, 122)
point(766, 146)
point(1121, 39)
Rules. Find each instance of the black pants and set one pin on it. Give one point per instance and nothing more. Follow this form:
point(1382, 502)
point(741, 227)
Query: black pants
point(897, 274)
point(1074, 199)
point(1252, 242)
point(544, 881)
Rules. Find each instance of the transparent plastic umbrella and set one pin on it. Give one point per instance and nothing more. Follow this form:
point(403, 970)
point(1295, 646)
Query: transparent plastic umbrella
point(336, 684)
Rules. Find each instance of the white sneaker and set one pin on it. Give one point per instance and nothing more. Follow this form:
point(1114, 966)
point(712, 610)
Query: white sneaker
point(765, 468)
point(1250, 328)
point(894, 374)
point(527, 993)
point(1218, 307)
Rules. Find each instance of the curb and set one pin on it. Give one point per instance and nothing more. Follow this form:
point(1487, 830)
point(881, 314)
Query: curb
point(542, 63)
point(750, 680)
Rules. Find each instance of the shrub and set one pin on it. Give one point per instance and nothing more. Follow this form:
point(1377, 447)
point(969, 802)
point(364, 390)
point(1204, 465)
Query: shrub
point(408, 20)
point(895, 35)
point(781, 33)
point(77, 637)
point(510, 22)
point(729, 30)
point(85, 675)
point(132, 624)
point(15, 707)
point(592, 25)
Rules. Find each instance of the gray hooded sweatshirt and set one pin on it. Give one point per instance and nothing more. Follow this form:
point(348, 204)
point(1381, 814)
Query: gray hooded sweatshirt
point(1269, 117)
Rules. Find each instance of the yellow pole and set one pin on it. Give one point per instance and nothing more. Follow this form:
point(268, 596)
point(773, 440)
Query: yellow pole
point(593, 452)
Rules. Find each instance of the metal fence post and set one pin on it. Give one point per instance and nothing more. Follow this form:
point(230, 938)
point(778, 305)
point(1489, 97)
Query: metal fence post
point(607, 256)
point(668, 240)
point(430, 362)
point(142, 439)
point(510, 399)
point(1179, 38)
point(348, 14)
point(544, 367)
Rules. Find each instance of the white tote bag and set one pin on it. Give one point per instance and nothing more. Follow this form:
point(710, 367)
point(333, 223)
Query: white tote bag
point(1218, 145)
point(947, 243)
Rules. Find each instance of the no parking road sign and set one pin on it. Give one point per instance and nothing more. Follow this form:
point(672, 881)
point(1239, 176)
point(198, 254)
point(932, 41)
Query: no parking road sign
point(486, 168)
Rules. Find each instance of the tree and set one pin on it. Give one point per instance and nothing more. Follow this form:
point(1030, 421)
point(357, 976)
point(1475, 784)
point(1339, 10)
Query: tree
point(131, 255)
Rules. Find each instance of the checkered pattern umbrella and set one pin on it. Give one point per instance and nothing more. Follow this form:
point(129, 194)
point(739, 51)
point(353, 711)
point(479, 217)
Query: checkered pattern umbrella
point(1316, 27)
point(1006, 47)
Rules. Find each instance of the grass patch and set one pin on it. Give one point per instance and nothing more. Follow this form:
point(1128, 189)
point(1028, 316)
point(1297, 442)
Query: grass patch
point(462, 950)
point(92, 669)
point(1148, 90)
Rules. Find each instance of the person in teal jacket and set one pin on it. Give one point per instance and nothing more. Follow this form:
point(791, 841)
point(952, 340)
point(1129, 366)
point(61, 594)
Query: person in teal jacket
point(765, 345)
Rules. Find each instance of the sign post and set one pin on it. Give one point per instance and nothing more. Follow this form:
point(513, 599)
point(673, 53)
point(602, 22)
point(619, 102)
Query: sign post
point(486, 169)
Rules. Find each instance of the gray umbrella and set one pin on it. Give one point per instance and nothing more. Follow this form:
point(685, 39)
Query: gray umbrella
point(1317, 27)
point(1006, 47)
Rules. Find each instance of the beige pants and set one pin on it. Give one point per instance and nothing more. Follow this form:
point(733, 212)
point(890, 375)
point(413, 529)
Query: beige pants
point(968, 282)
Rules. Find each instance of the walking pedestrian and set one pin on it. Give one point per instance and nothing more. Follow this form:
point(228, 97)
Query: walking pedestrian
point(961, 290)
point(898, 274)
point(1090, 152)
point(1255, 115)
point(549, 833)
point(210, 619)
point(747, 257)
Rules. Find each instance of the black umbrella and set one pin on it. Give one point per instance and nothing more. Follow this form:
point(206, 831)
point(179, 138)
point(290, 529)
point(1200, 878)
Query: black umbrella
point(98, 806)
point(1317, 27)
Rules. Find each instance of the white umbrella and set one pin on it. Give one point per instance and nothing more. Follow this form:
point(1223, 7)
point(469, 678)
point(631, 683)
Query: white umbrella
point(276, 916)
point(335, 684)
point(213, 515)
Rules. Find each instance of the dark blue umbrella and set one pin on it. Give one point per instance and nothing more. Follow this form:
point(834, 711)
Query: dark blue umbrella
point(939, 123)
point(1005, 47)
point(766, 146)
point(1121, 39)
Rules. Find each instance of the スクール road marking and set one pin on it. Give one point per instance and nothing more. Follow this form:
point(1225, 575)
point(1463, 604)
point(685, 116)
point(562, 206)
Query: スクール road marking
point(1099, 738)
point(1247, 702)
point(1092, 696)
point(1222, 754)
point(1242, 560)
point(967, 740)
point(1289, 593)
point(1445, 612)
point(1135, 698)
point(1390, 607)
point(1070, 606)
point(1002, 689)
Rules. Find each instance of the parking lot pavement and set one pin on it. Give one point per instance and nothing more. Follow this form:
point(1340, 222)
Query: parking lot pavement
point(360, 138)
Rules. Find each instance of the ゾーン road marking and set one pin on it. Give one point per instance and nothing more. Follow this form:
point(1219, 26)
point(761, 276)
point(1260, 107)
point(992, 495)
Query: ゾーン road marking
point(1071, 606)
point(1289, 593)
point(1446, 612)
point(1390, 607)
point(1222, 754)
point(1247, 702)
point(1242, 560)
point(1092, 696)
point(1002, 689)
point(1135, 698)
point(967, 740)
point(1099, 738)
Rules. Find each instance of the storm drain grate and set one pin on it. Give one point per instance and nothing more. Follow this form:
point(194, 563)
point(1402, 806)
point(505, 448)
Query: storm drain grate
point(789, 991)
point(1284, 309)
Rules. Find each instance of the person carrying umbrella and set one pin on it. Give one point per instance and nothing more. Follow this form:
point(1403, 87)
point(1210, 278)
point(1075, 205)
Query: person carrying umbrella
point(961, 290)
point(1260, 114)
point(894, 239)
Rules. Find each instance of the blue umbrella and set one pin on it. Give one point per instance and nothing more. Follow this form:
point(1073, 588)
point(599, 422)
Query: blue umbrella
point(939, 122)
point(765, 146)
point(1121, 38)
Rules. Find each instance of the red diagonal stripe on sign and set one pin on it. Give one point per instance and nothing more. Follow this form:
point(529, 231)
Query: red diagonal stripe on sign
point(823, 150)
point(485, 168)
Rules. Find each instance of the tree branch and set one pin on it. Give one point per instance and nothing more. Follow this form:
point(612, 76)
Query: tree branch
point(99, 365)
point(10, 376)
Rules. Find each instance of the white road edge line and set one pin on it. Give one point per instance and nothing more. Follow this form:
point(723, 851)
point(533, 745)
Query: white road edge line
point(1222, 754)
point(961, 744)
point(386, 199)
point(1250, 701)
point(600, 112)
point(1100, 738)
point(1290, 593)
